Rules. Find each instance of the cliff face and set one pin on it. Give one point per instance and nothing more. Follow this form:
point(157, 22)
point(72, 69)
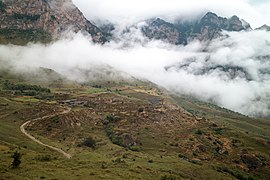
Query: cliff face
point(43, 20)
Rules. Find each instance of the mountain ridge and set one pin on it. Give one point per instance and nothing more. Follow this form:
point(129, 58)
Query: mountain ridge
point(182, 31)
point(43, 21)
point(208, 27)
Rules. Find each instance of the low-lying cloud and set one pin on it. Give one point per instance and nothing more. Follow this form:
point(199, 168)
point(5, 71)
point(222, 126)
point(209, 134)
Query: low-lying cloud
point(232, 72)
point(131, 11)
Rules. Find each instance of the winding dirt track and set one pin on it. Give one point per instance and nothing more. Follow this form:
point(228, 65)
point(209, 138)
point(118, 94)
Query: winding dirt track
point(24, 125)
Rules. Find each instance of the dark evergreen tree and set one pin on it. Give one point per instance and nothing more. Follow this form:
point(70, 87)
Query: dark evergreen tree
point(16, 159)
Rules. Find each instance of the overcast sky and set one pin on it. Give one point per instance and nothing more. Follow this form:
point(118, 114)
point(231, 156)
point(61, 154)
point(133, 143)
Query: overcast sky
point(256, 12)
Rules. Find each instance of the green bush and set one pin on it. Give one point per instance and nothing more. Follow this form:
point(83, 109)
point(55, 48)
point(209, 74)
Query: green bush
point(109, 128)
point(56, 119)
point(109, 119)
point(182, 156)
point(89, 142)
point(135, 148)
point(140, 109)
point(199, 132)
point(118, 140)
point(219, 131)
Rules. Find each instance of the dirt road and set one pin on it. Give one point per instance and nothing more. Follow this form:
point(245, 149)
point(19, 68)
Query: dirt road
point(24, 125)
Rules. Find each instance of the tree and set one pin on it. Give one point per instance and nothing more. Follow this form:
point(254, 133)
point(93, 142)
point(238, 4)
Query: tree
point(16, 159)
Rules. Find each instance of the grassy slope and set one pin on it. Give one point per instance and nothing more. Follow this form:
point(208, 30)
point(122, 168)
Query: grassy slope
point(158, 154)
point(251, 127)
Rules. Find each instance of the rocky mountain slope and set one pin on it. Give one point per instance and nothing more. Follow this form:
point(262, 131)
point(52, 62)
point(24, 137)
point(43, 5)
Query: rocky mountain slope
point(208, 27)
point(42, 20)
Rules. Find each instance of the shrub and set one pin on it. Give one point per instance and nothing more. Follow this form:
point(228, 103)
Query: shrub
point(199, 132)
point(140, 109)
point(97, 86)
point(109, 119)
point(89, 142)
point(182, 156)
point(55, 119)
point(49, 128)
point(118, 140)
point(219, 131)
point(135, 148)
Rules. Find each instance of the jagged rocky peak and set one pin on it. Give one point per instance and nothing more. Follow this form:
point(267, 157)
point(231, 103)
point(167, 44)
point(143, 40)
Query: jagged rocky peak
point(231, 24)
point(211, 25)
point(235, 24)
point(162, 30)
point(210, 19)
point(206, 28)
point(47, 17)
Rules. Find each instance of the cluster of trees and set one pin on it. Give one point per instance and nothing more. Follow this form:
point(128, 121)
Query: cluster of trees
point(24, 87)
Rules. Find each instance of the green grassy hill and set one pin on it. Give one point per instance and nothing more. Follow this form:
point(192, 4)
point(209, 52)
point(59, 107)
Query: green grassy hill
point(125, 131)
